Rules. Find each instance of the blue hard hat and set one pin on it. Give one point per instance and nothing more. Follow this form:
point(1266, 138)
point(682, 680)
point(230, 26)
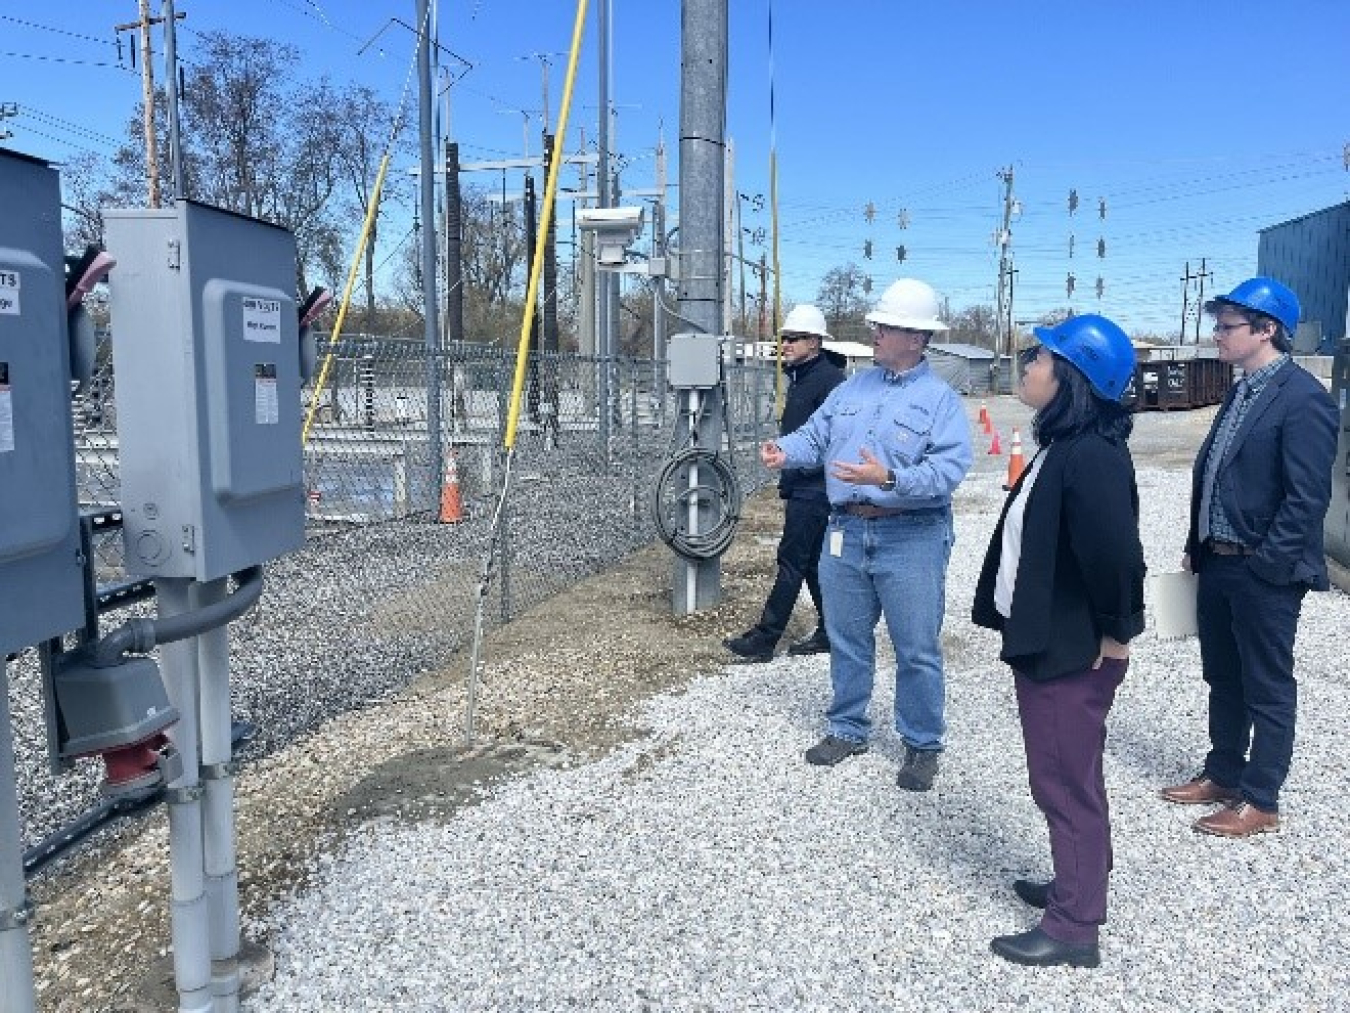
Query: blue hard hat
point(1097, 348)
point(1268, 296)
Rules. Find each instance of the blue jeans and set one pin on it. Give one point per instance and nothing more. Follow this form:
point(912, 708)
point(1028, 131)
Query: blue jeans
point(896, 567)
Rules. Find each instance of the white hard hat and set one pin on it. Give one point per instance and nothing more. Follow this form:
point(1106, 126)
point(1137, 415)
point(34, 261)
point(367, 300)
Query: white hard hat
point(908, 303)
point(805, 319)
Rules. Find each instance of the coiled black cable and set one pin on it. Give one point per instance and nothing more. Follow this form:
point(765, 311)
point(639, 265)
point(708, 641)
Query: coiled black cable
point(726, 493)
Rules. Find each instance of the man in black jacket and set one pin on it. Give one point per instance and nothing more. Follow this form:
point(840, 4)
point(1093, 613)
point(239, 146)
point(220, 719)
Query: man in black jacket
point(1259, 494)
point(812, 371)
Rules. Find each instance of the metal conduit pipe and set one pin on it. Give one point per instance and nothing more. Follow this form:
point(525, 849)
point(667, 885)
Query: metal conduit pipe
point(141, 635)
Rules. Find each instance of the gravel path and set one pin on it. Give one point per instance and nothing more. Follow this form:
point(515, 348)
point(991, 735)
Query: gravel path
point(706, 867)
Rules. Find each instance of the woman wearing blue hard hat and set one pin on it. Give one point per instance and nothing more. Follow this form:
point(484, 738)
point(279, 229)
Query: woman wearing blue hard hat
point(1063, 581)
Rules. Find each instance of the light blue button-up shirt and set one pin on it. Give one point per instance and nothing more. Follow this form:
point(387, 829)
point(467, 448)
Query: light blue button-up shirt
point(911, 422)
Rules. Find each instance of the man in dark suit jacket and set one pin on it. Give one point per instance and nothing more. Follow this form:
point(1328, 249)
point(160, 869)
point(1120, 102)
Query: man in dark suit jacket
point(1259, 493)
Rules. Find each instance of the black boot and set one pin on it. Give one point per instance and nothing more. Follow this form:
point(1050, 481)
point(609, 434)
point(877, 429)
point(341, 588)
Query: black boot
point(754, 645)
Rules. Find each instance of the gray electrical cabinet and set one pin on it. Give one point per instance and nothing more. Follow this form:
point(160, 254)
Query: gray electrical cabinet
point(41, 568)
point(207, 365)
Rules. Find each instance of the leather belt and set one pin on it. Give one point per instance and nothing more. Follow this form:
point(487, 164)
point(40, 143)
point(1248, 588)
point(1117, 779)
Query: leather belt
point(870, 511)
point(1228, 548)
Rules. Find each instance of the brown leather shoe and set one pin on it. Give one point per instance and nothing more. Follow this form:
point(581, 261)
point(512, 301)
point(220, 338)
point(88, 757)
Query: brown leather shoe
point(1241, 820)
point(1200, 790)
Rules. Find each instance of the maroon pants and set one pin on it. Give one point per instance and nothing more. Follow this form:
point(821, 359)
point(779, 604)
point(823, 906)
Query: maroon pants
point(1064, 729)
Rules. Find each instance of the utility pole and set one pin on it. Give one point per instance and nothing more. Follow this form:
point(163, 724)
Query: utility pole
point(170, 20)
point(431, 328)
point(697, 583)
point(1200, 299)
point(604, 345)
point(147, 99)
point(1004, 239)
point(1186, 280)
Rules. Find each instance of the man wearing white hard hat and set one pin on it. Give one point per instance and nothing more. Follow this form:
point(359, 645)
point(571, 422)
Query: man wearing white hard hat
point(812, 371)
point(895, 444)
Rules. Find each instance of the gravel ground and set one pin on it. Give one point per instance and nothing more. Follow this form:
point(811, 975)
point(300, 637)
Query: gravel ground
point(704, 866)
point(672, 851)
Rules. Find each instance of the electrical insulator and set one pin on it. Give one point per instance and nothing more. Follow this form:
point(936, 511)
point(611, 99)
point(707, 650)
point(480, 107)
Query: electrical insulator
point(867, 248)
point(869, 212)
point(1101, 247)
point(1069, 283)
point(1101, 286)
point(1071, 241)
point(900, 254)
point(867, 284)
point(903, 218)
point(1073, 201)
point(1101, 207)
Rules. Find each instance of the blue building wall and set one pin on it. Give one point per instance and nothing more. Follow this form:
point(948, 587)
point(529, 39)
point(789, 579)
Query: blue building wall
point(1312, 256)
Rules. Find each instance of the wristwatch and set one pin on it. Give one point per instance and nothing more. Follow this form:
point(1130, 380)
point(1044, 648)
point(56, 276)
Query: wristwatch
point(889, 484)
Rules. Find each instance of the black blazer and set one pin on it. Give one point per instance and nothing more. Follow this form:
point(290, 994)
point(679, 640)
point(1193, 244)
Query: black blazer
point(1275, 479)
point(1081, 572)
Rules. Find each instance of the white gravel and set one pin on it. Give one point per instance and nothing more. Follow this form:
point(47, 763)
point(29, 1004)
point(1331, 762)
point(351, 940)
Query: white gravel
point(707, 867)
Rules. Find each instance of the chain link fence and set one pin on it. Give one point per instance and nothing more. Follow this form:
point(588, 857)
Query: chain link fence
point(582, 476)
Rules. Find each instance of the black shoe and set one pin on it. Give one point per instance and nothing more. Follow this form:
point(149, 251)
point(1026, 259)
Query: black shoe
point(1036, 949)
point(919, 770)
point(752, 645)
point(1033, 893)
point(830, 750)
point(816, 643)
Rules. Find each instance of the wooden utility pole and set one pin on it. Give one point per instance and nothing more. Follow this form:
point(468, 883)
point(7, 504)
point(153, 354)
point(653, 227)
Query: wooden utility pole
point(1004, 239)
point(147, 99)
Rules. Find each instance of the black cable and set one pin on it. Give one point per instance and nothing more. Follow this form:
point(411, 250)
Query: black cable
point(727, 492)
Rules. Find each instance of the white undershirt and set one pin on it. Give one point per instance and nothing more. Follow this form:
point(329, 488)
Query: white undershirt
point(1011, 555)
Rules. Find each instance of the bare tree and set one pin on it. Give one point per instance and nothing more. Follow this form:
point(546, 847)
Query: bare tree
point(843, 299)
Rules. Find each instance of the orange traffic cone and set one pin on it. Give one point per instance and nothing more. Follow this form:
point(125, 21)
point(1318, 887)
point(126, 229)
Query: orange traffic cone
point(984, 414)
point(452, 506)
point(995, 448)
point(1016, 462)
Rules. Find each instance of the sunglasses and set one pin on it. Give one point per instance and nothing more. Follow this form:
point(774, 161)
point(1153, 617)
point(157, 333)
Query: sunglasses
point(788, 339)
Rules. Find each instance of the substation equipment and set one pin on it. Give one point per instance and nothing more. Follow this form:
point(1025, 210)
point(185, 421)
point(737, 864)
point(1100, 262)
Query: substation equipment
point(696, 500)
point(210, 354)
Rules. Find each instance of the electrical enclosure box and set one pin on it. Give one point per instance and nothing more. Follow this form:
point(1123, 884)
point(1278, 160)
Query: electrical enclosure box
point(41, 569)
point(207, 365)
point(695, 360)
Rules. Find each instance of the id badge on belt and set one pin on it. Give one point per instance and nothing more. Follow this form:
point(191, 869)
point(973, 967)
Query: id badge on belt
point(835, 540)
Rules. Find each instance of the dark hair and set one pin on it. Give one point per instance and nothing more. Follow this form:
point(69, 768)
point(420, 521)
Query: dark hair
point(1076, 410)
point(1258, 320)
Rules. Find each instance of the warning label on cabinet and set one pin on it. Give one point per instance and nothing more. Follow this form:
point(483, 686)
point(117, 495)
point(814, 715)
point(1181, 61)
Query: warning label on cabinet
point(266, 407)
point(6, 411)
point(262, 320)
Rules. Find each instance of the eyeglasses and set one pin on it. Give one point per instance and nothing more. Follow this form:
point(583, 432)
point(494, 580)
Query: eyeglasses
point(1225, 328)
point(877, 328)
point(787, 339)
point(1029, 355)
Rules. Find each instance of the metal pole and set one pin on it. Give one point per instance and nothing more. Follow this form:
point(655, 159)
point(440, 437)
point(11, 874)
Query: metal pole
point(703, 110)
point(435, 464)
point(217, 773)
point(602, 335)
point(189, 913)
point(171, 92)
point(17, 991)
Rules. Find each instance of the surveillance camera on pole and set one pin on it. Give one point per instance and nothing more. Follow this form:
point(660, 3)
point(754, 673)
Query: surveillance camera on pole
point(615, 230)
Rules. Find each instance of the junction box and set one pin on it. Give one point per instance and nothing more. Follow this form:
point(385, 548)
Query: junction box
point(41, 566)
point(207, 360)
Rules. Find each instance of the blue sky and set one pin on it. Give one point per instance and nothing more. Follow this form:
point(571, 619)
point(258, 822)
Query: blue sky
point(1198, 123)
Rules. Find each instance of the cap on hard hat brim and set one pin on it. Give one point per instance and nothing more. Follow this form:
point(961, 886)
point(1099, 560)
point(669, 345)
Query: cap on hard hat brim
point(934, 325)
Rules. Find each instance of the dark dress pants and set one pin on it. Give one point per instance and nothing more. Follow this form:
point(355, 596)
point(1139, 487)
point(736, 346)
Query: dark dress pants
point(1247, 629)
point(1064, 729)
point(804, 523)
